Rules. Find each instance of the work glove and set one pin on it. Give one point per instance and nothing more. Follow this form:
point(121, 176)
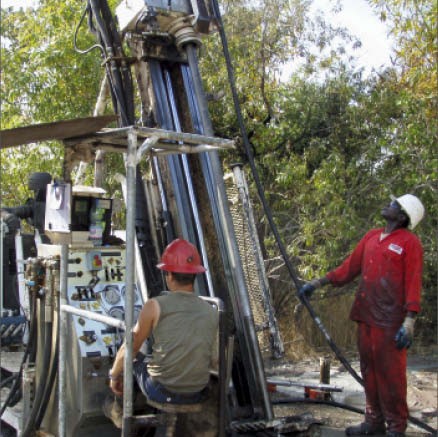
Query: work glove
point(308, 288)
point(404, 336)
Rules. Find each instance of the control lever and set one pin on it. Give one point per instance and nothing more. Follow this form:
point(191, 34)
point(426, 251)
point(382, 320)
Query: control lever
point(93, 281)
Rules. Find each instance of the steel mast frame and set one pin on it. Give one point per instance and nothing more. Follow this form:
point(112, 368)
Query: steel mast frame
point(154, 141)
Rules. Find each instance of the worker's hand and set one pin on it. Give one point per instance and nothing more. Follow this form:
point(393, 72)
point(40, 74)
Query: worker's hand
point(116, 385)
point(308, 288)
point(404, 336)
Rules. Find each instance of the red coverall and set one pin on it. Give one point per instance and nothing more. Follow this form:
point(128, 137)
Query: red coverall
point(390, 285)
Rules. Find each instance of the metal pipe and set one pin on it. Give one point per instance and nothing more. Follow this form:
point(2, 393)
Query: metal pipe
point(223, 377)
point(164, 118)
point(131, 164)
point(23, 296)
point(151, 145)
point(62, 335)
point(191, 190)
point(110, 321)
point(193, 138)
point(288, 383)
point(138, 261)
point(3, 231)
point(230, 252)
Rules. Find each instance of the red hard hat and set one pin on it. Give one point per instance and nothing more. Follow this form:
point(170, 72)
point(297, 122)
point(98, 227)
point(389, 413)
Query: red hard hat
point(180, 256)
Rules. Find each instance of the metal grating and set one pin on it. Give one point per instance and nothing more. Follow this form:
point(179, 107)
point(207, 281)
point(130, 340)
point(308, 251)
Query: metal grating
point(255, 278)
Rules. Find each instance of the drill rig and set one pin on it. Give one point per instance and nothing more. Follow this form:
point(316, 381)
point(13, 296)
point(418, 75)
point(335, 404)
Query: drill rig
point(85, 287)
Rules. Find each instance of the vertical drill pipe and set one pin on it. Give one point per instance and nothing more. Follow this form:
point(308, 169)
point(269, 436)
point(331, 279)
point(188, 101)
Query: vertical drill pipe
point(191, 190)
point(62, 335)
point(131, 165)
point(164, 118)
point(223, 350)
point(227, 241)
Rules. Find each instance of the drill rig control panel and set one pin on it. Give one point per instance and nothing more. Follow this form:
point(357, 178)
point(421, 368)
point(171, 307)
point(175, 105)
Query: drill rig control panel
point(96, 283)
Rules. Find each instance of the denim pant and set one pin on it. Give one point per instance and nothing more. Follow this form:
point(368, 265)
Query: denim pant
point(156, 392)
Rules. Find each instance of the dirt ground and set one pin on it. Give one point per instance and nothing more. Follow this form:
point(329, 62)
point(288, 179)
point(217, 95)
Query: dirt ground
point(422, 390)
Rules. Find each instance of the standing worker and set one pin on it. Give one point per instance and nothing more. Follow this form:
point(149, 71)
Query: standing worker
point(390, 262)
point(183, 328)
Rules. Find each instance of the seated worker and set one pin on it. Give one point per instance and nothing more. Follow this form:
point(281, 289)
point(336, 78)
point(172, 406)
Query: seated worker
point(183, 328)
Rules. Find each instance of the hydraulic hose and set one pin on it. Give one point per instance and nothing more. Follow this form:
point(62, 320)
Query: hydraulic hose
point(30, 425)
point(7, 380)
point(121, 91)
point(48, 388)
point(297, 282)
point(53, 372)
point(330, 341)
point(414, 420)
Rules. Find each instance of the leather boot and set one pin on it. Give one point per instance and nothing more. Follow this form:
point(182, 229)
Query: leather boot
point(366, 429)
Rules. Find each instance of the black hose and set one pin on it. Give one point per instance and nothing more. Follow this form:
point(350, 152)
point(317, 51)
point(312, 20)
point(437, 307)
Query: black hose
point(125, 69)
point(77, 49)
point(30, 424)
point(248, 150)
point(7, 380)
point(113, 72)
point(268, 212)
point(52, 374)
point(48, 389)
point(330, 341)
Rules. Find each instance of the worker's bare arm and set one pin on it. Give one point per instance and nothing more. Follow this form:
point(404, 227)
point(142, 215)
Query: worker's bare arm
point(147, 320)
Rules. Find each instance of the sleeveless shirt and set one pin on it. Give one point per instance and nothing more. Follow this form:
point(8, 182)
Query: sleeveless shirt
point(183, 342)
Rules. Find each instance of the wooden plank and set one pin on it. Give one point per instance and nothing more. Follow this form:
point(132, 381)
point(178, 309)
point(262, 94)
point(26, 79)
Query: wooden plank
point(57, 130)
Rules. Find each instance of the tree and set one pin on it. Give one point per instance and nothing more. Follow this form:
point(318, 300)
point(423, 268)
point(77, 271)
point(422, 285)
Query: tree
point(44, 79)
point(329, 151)
point(413, 25)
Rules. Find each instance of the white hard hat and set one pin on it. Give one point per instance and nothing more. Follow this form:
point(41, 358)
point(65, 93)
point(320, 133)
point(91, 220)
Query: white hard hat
point(412, 206)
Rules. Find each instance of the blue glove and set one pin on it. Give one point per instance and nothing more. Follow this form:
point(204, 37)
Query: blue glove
point(404, 336)
point(308, 288)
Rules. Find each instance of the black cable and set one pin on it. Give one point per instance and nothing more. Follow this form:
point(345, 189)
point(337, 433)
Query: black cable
point(75, 39)
point(268, 211)
point(7, 380)
point(414, 420)
point(248, 150)
point(112, 69)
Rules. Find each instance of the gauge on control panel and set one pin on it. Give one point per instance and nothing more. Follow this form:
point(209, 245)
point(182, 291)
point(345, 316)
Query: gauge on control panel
point(117, 313)
point(111, 294)
point(136, 295)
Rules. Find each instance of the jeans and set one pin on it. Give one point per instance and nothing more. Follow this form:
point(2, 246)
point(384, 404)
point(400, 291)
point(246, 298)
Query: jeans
point(156, 392)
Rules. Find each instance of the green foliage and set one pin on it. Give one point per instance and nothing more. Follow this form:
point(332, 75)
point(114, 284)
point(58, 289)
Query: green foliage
point(44, 79)
point(413, 25)
point(330, 152)
point(330, 146)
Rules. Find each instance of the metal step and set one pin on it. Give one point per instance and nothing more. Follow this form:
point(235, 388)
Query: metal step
point(11, 361)
point(12, 415)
